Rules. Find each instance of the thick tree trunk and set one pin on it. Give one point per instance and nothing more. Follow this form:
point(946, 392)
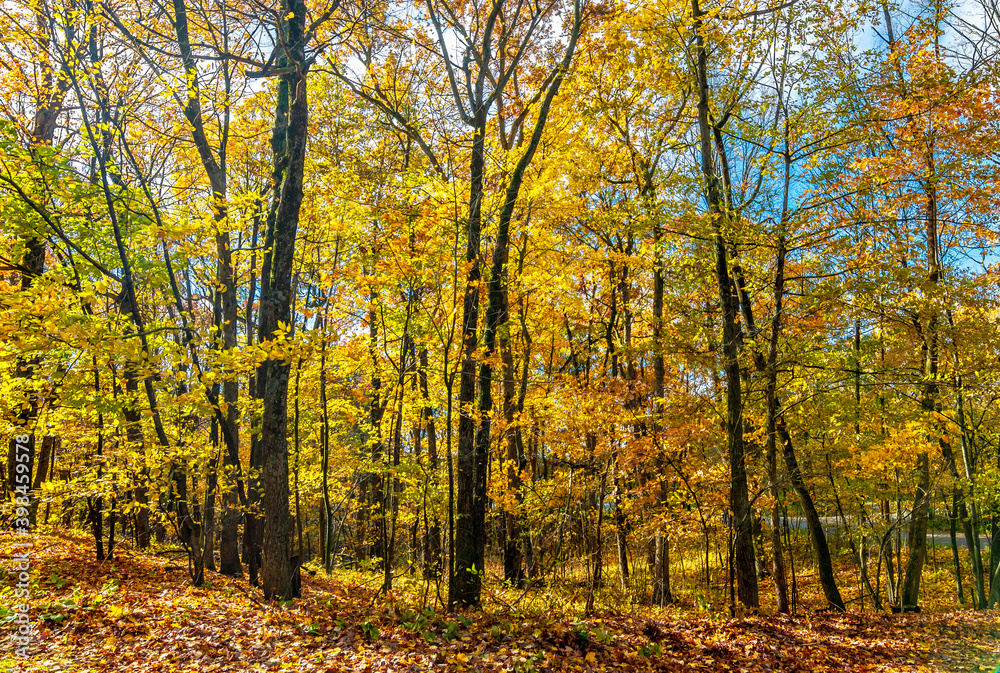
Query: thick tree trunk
point(662, 594)
point(929, 402)
point(474, 443)
point(45, 456)
point(471, 469)
point(276, 571)
point(95, 516)
point(739, 504)
point(48, 106)
point(994, 598)
point(917, 536)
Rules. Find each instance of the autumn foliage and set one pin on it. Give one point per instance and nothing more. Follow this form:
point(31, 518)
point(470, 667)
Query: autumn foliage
point(610, 330)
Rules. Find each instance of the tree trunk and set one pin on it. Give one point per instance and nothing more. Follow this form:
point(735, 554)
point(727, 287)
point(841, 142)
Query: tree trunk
point(474, 443)
point(968, 513)
point(597, 550)
point(952, 529)
point(375, 486)
point(821, 551)
point(208, 517)
point(45, 456)
point(276, 571)
point(471, 473)
point(432, 544)
point(621, 532)
point(777, 557)
point(739, 504)
point(48, 106)
point(513, 557)
point(326, 525)
point(929, 401)
point(662, 595)
point(917, 536)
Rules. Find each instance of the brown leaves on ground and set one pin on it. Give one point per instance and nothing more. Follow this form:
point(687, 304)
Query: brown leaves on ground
point(137, 613)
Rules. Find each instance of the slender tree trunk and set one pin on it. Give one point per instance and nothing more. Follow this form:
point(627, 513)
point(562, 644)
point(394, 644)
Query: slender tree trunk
point(917, 536)
point(432, 545)
point(375, 485)
point(969, 515)
point(621, 532)
point(513, 558)
point(771, 383)
point(298, 499)
point(253, 528)
point(327, 518)
point(952, 529)
point(208, 516)
point(474, 443)
point(597, 550)
point(777, 557)
point(226, 317)
point(95, 514)
point(112, 517)
point(661, 556)
point(821, 550)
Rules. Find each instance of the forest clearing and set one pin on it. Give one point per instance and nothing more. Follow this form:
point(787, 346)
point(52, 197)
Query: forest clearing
point(500, 335)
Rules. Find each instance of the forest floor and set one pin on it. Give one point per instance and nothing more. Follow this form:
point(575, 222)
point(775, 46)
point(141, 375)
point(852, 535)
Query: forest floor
point(138, 612)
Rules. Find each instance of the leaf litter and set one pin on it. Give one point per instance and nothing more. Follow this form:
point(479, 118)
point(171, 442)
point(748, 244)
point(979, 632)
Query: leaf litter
point(138, 613)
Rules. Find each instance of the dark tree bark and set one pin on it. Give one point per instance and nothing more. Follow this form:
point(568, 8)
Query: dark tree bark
point(821, 550)
point(432, 543)
point(771, 384)
point(52, 91)
point(597, 550)
point(277, 577)
point(374, 485)
point(929, 403)
point(474, 460)
point(953, 538)
point(226, 319)
point(743, 555)
point(969, 514)
point(470, 500)
point(661, 545)
point(777, 559)
point(621, 530)
point(326, 524)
